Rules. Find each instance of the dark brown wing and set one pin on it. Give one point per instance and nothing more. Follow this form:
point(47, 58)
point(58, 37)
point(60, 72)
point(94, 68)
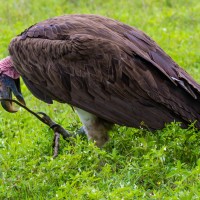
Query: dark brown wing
point(107, 68)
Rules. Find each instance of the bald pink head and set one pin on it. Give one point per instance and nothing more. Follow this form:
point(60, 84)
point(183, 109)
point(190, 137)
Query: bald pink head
point(7, 68)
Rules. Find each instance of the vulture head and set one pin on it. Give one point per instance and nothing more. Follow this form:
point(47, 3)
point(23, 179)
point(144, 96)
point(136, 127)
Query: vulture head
point(9, 83)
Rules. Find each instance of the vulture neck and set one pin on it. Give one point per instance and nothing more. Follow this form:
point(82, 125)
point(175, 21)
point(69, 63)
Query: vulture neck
point(7, 68)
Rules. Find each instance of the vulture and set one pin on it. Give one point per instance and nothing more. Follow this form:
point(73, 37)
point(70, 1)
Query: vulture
point(109, 72)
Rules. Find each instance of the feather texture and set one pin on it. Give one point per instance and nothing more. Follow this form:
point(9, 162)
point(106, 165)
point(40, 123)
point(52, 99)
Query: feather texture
point(107, 68)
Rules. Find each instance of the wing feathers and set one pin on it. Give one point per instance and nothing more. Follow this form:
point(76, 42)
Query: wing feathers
point(107, 68)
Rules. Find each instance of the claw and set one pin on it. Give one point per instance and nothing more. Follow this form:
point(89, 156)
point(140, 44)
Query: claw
point(47, 120)
point(81, 132)
point(56, 127)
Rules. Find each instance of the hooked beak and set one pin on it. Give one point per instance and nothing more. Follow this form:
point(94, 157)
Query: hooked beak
point(7, 87)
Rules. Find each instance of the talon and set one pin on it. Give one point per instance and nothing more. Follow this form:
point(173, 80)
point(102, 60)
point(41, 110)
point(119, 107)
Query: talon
point(81, 131)
point(43, 115)
point(55, 144)
point(47, 119)
point(56, 127)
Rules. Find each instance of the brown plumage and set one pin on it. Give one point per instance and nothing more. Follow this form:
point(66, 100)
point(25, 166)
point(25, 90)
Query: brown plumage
point(106, 68)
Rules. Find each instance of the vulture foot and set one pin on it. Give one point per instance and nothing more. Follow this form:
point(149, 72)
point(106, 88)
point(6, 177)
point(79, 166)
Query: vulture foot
point(58, 129)
point(81, 132)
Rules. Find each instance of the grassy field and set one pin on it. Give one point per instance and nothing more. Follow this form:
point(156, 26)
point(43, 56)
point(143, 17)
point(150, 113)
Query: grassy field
point(134, 164)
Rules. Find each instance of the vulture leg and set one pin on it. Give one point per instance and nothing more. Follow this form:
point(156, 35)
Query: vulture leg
point(95, 127)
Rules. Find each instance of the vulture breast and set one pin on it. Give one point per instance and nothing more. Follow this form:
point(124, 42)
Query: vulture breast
point(107, 68)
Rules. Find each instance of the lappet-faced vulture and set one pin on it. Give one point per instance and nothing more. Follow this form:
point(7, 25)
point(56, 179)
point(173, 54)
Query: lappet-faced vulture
point(111, 73)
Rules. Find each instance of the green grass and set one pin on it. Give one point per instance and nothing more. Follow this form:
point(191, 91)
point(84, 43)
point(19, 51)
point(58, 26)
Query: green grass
point(134, 164)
